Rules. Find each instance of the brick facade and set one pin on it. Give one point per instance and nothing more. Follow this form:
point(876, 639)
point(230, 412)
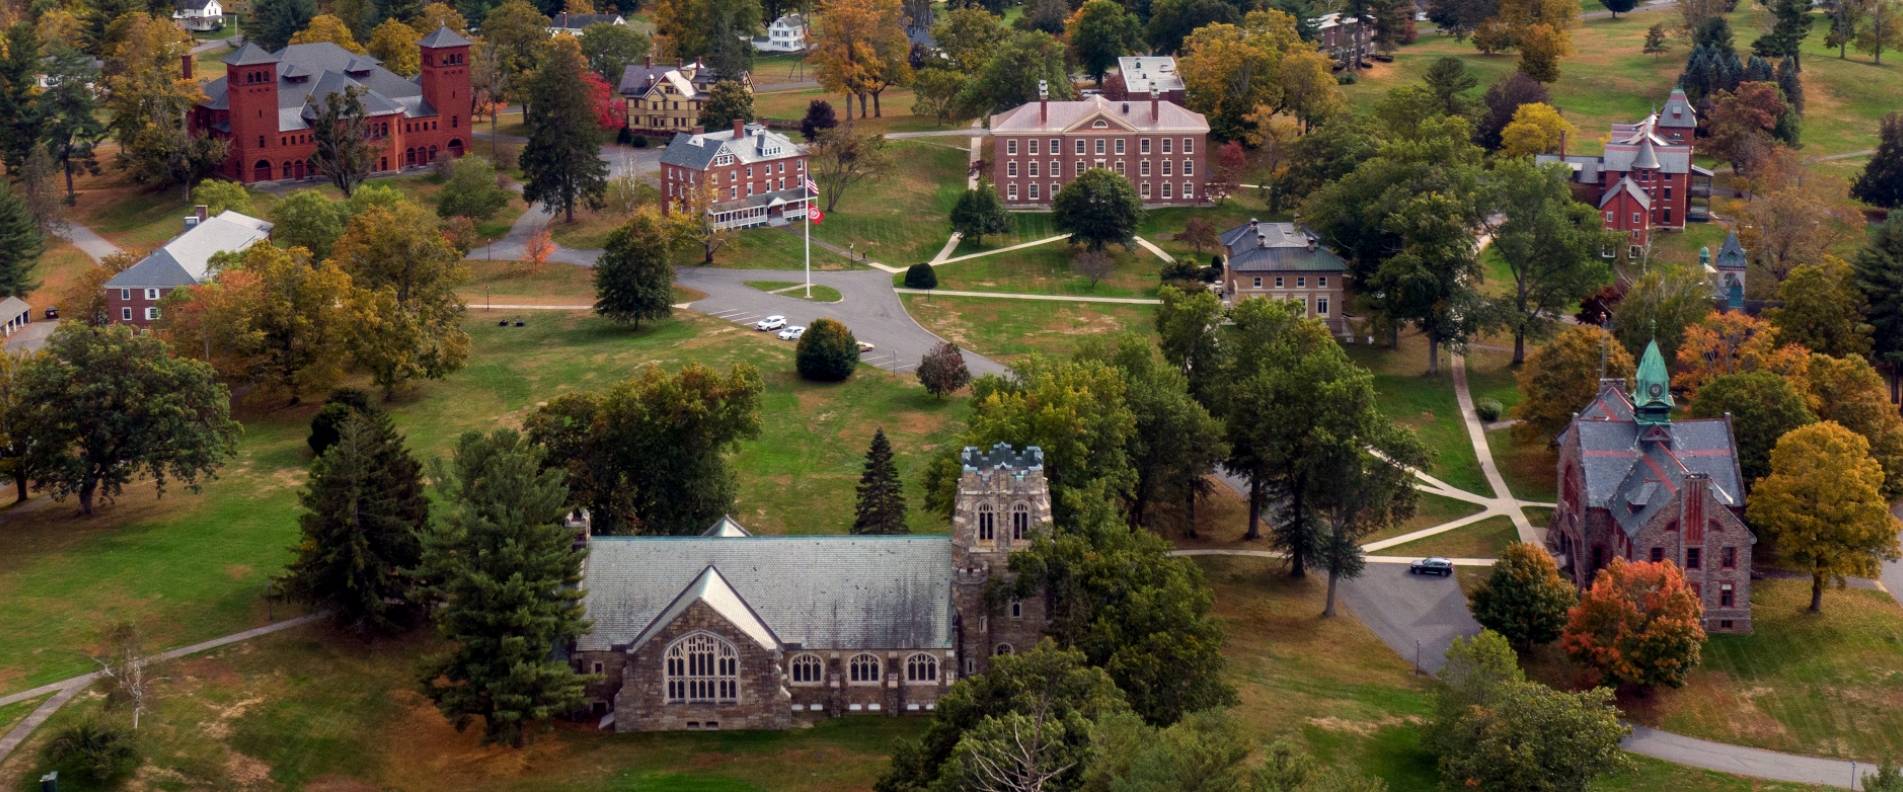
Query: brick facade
point(1157, 145)
point(757, 174)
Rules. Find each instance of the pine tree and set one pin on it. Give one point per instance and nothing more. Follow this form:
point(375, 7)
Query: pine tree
point(1788, 81)
point(1879, 275)
point(1759, 70)
point(504, 571)
point(20, 243)
point(562, 161)
point(363, 515)
point(19, 85)
point(1881, 183)
point(633, 278)
point(881, 495)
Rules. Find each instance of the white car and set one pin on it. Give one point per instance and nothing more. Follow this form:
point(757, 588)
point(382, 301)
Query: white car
point(864, 347)
point(792, 333)
point(774, 322)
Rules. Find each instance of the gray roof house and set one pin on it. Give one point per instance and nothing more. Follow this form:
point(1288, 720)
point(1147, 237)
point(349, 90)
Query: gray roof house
point(573, 24)
point(1278, 247)
point(186, 260)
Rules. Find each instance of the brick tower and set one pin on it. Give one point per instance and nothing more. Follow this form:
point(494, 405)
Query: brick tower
point(1003, 502)
point(445, 81)
point(251, 79)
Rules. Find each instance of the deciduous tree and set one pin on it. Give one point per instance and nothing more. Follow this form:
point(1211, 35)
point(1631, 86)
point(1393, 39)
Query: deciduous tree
point(979, 213)
point(1101, 32)
point(694, 220)
point(819, 118)
point(340, 129)
point(729, 101)
point(1010, 77)
point(1536, 129)
point(394, 43)
point(301, 322)
point(1823, 310)
point(408, 316)
point(942, 371)
point(1097, 209)
point(1524, 599)
point(1823, 505)
point(1561, 378)
point(611, 48)
point(843, 157)
point(108, 406)
point(862, 50)
point(1792, 225)
point(634, 278)
point(328, 29)
point(364, 512)
point(1578, 735)
point(1177, 443)
point(1849, 392)
point(308, 220)
point(149, 101)
point(1659, 305)
point(1733, 342)
point(881, 505)
point(504, 571)
point(1763, 406)
point(1639, 624)
point(1172, 21)
point(1503, 101)
point(562, 160)
point(471, 191)
point(646, 456)
point(827, 352)
point(968, 37)
point(1550, 243)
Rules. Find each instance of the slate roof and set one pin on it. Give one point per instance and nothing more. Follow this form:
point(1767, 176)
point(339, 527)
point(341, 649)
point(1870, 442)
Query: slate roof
point(1678, 111)
point(1277, 247)
point(712, 589)
point(1670, 159)
point(1647, 158)
point(1626, 186)
point(1731, 256)
point(1632, 471)
point(821, 592)
point(319, 69)
point(1585, 169)
point(690, 80)
point(186, 260)
point(1065, 115)
point(727, 528)
point(688, 150)
point(442, 36)
point(1002, 455)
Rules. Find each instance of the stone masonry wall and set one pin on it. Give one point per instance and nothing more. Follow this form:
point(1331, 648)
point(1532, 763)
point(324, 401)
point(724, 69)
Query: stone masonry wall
point(763, 703)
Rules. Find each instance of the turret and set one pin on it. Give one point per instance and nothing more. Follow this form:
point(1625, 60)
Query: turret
point(445, 76)
point(251, 92)
point(1652, 399)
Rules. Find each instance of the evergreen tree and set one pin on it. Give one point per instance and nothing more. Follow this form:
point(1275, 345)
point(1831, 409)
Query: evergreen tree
point(819, 118)
point(980, 213)
point(562, 161)
point(1790, 84)
point(1791, 25)
point(20, 243)
point(1881, 182)
point(504, 571)
point(364, 511)
point(1759, 70)
point(881, 508)
point(274, 22)
point(328, 424)
point(634, 280)
point(1878, 274)
point(19, 86)
point(70, 107)
point(1715, 33)
point(727, 102)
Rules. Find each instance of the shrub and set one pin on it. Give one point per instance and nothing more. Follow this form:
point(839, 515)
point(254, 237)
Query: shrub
point(827, 352)
point(1489, 410)
point(1346, 78)
point(640, 141)
point(942, 371)
point(94, 749)
point(921, 276)
point(342, 403)
point(625, 137)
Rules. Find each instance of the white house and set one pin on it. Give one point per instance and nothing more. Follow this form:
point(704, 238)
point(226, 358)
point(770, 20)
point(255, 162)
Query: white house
point(200, 16)
point(786, 34)
point(573, 24)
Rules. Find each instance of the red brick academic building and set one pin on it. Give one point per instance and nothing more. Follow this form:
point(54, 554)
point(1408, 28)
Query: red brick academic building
point(1645, 180)
point(265, 104)
point(1158, 145)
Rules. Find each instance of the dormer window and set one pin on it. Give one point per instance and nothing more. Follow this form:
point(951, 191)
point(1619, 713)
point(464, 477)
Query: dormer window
point(724, 159)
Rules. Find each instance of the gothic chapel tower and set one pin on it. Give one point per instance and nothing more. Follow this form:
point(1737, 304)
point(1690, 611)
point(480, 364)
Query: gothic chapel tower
point(1003, 502)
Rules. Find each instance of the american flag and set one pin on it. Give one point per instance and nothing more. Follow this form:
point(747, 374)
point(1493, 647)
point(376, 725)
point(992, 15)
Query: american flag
point(811, 187)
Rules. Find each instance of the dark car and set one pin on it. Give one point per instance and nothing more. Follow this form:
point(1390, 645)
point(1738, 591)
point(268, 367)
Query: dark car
point(52, 312)
point(1431, 566)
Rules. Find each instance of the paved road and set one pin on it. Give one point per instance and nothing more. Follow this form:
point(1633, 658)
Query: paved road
point(621, 162)
point(869, 307)
point(1412, 614)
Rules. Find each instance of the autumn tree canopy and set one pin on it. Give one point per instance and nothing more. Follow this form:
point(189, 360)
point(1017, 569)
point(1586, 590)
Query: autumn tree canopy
point(1639, 624)
point(1823, 506)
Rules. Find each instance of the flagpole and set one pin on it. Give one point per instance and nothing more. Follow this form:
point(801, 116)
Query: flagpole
point(809, 242)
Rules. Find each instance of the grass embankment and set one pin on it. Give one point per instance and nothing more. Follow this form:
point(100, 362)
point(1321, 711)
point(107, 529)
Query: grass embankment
point(1426, 404)
point(191, 567)
point(895, 109)
point(1005, 330)
point(795, 290)
point(1046, 269)
point(1485, 539)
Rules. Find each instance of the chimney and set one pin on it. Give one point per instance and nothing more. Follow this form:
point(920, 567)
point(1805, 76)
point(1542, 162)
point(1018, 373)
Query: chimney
point(1043, 101)
point(700, 130)
point(739, 129)
point(202, 211)
point(679, 63)
point(650, 61)
point(1562, 144)
point(1615, 384)
point(1155, 111)
point(185, 65)
point(1261, 240)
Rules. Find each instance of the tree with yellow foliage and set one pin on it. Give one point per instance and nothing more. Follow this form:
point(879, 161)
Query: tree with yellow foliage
point(326, 27)
point(862, 50)
point(394, 43)
point(409, 319)
point(1732, 342)
point(437, 15)
point(1536, 129)
point(1541, 46)
point(1847, 390)
point(148, 101)
point(1559, 379)
point(1823, 506)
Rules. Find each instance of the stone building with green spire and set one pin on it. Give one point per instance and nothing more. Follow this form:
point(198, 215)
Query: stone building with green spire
point(1638, 485)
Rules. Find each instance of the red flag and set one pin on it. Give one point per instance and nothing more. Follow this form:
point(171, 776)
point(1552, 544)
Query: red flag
point(816, 214)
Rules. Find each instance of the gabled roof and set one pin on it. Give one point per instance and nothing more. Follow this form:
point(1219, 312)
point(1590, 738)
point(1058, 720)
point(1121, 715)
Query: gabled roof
point(713, 590)
point(321, 68)
point(822, 592)
point(1678, 111)
point(186, 260)
point(689, 150)
point(1277, 247)
point(567, 21)
point(442, 36)
point(250, 55)
point(1625, 187)
point(726, 527)
point(1731, 256)
point(1066, 115)
point(192, 5)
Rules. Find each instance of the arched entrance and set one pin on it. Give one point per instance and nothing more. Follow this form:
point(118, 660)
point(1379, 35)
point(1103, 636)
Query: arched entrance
point(300, 169)
point(456, 147)
point(262, 171)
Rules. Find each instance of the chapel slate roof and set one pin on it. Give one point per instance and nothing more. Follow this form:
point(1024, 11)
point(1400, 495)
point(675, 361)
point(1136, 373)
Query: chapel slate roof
point(1632, 476)
point(1277, 247)
point(1731, 256)
point(186, 260)
point(1678, 111)
point(727, 528)
point(322, 68)
point(821, 592)
point(712, 589)
point(249, 55)
point(442, 36)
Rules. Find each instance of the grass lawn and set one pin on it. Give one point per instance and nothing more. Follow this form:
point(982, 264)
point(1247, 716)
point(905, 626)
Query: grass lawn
point(509, 283)
point(1531, 469)
point(1827, 684)
point(1433, 510)
point(1046, 269)
point(766, 248)
point(190, 567)
point(1427, 405)
point(1485, 539)
point(1007, 329)
point(895, 109)
point(792, 289)
point(589, 231)
point(1160, 226)
point(901, 218)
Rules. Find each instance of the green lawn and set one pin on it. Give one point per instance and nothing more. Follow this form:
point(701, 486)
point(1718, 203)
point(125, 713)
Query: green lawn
point(1530, 469)
point(894, 110)
point(766, 248)
point(1427, 405)
point(903, 217)
point(1046, 269)
point(190, 567)
point(1485, 539)
point(792, 289)
point(1433, 510)
point(1006, 329)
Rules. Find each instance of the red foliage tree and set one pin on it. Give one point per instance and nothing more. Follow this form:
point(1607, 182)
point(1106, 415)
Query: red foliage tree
point(607, 105)
point(1640, 624)
point(1227, 177)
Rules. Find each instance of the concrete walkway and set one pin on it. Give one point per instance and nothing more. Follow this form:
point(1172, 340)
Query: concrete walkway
point(1020, 246)
point(65, 689)
point(1503, 501)
point(88, 241)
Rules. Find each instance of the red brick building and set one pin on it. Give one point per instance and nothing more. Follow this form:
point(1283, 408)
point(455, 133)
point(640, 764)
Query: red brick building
point(132, 296)
point(1158, 145)
point(1635, 484)
point(265, 103)
point(757, 174)
point(1645, 180)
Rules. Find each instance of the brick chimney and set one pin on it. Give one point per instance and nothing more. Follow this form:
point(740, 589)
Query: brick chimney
point(650, 61)
point(185, 65)
point(1562, 144)
point(1155, 110)
point(1043, 102)
point(203, 212)
point(739, 129)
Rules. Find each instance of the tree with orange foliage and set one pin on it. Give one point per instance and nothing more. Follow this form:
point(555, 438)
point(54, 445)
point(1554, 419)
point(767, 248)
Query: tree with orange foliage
point(1734, 343)
point(212, 322)
point(1639, 624)
point(536, 251)
point(862, 50)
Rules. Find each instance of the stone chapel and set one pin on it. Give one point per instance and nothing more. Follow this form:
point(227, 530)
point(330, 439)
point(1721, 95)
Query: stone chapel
point(728, 630)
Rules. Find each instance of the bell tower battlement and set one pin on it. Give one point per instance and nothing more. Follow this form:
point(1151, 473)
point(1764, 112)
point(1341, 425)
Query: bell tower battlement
point(1003, 502)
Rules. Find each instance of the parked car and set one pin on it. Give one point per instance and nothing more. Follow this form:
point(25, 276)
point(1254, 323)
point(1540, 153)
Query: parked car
point(52, 312)
point(774, 322)
point(792, 333)
point(864, 347)
point(1431, 566)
